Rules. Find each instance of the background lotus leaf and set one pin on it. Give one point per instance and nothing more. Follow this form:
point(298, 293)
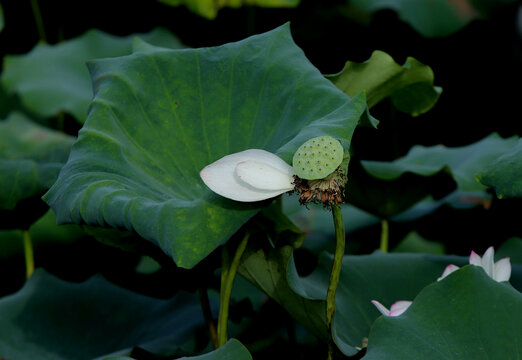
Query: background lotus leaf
point(53, 319)
point(433, 18)
point(53, 78)
point(464, 162)
point(465, 316)
point(410, 86)
point(159, 117)
point(31, 157)
point(504, 174)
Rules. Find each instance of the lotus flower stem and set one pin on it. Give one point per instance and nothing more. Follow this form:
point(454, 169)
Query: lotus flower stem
point(336, 270)
point(28, 251)
point(384, 235)
point(228, 274)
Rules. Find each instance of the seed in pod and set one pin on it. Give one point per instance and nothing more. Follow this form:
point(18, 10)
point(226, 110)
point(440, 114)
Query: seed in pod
point(317, 158)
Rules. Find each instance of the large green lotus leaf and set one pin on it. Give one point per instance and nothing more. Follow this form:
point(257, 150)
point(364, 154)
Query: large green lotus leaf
point(433, 18)
point(463, 162)
point(159, 117)
point(53, 319)
point(53, 78)
point(209, 8)
point(31, 157)
point(466, 316)
point(410, 86)
point(415, 243)
point(383, 277)
point(504, 174)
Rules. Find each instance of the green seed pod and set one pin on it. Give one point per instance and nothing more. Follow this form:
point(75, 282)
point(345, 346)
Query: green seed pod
point(317, 158)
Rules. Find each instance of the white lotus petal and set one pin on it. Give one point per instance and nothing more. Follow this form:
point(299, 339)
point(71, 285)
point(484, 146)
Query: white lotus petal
point(381, 308)
point(488, 261)
point(475, 259)
point(220, 176)
point(264, 176)
point(399, 307)
point(448, 270)
point(502, 270)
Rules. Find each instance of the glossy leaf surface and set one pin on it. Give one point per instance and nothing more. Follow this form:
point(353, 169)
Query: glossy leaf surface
point(53, 319)
point(159, 117)
point(53, 78)
point(465, 316)
point(410, 86)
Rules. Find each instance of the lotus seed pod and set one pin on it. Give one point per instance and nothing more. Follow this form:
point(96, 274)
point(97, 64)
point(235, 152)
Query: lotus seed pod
point(317, 158)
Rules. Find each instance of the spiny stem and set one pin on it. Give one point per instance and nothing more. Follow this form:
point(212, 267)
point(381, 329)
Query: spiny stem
point(336, 270)
point(28, 251)
point(38, 18)
point(228, 274)
point(384, 235)
point(207, 314)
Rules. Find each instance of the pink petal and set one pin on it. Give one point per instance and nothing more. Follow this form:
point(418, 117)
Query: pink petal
point(502, 270)
point(381, 308)
point(475, 259)
point(399, 307)
point(448, 270)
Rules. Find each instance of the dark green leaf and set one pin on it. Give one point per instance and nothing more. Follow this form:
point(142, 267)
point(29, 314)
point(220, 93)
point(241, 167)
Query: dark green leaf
point(414, 243)
point(385, 197)
point(2, 22)
point(465, 316)
point(383, 277)
point(505, 173)
point(433, 18)
point(31, 157)
point(464, 162)
point(232, 350)
point(410, 86)
point(54, 78)
point(159, 117)
point(52, 319)
point(209, 8)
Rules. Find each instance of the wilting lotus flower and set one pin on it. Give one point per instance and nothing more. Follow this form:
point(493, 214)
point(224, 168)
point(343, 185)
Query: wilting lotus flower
point(396, 309)
point(250, 175)
point(498, 271)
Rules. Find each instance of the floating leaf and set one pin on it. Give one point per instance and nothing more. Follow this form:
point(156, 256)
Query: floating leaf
point(53, 319)
point(465, 316)
point(433, 18)
point(54, 78)
point(31, 157)
point(504, 174)
point(464, 162)
point(410, 86)
point(209, 8)
point(159, 117)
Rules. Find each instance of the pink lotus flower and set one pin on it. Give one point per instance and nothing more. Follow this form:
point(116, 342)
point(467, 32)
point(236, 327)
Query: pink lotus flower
point(498, 271)
point(396, 309)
